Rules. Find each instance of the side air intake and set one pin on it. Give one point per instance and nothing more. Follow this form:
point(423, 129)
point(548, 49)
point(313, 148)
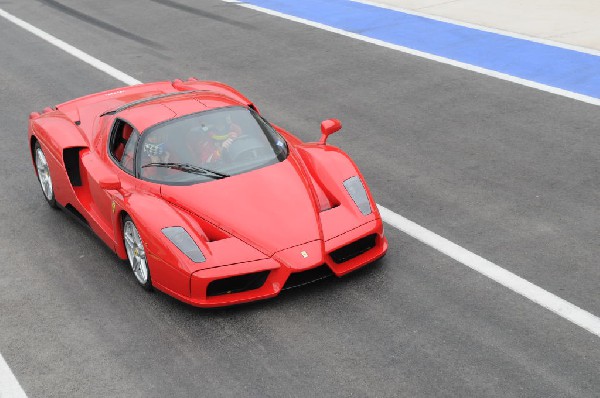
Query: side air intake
point(71, 159)
point(237, 284)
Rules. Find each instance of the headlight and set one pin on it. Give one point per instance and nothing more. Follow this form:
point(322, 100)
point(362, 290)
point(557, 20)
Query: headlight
point(184, 242)
point(358, 193)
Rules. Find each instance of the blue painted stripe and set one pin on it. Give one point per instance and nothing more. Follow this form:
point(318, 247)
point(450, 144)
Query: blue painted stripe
point(554, 66)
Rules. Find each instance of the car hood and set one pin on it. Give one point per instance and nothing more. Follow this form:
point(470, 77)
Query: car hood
point(271, 209)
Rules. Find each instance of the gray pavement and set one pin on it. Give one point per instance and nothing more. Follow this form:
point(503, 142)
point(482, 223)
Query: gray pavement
point(505, 171)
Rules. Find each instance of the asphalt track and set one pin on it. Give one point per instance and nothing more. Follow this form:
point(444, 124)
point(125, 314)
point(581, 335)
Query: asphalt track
point(506, 171)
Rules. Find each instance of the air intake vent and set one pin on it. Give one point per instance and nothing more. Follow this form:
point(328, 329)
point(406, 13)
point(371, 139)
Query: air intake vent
point(236, 284)
point(354, 249)
point(71, 159)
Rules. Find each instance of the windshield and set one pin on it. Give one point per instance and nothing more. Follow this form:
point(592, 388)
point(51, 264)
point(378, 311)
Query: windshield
point(208, 145)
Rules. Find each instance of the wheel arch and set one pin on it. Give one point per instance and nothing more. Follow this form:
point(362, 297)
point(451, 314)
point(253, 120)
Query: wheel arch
point(32, 141)
point(168, 266)
point(120, 244)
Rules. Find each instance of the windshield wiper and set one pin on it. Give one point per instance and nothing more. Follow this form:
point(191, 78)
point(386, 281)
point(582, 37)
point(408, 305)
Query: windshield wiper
point(189, 168)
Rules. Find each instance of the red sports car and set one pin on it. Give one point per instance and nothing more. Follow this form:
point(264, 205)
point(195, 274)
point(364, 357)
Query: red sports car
point(208, 201)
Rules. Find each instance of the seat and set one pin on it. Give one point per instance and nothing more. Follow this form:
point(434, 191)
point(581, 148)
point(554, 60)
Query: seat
point(122, 141)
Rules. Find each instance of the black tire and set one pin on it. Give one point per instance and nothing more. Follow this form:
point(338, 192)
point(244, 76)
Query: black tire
point(43, 174)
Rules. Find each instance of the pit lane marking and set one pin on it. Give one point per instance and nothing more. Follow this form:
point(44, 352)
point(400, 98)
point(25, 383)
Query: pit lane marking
point(502, 32)
point(10, 387)
point(550, 301)
point(422, 54)
point(69, 49)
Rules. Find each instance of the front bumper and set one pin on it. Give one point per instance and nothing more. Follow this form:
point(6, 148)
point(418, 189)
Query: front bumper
point(262, 279)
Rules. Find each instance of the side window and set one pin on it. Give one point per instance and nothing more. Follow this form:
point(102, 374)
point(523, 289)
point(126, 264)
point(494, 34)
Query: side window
point(127, 161)
point(122, 144)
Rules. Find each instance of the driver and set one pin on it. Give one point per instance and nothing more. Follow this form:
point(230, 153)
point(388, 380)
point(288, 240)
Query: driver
point(156, 150)
point(208, 146)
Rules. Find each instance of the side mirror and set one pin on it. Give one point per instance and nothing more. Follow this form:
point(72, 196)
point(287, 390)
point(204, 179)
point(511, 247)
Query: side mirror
point(109, 182)
point(329, 127)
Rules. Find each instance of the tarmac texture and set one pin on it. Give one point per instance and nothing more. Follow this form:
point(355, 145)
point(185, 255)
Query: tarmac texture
point(506, 171)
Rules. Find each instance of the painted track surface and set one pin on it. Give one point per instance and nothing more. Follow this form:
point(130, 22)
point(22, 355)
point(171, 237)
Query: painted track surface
point(505, 171)
point(563, 68)
point(573, 22)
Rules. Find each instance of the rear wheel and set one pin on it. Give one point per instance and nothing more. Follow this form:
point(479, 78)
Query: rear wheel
point(136, 254)
point(43, 173)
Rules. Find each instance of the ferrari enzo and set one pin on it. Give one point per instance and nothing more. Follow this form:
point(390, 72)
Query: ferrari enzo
point(206, 200)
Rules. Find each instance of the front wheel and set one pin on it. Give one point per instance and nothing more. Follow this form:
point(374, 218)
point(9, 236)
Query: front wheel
point(43, 174)
point(136, 253)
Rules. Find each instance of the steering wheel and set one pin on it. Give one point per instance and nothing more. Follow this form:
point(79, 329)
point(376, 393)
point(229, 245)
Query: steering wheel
point(245, 148)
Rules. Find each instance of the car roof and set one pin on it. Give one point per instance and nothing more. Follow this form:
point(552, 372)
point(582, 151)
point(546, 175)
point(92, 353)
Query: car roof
point(147, 104)
point(149, 111)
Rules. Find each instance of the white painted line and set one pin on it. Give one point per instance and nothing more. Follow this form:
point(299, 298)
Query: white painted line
point(9, 385)
point(77, 53)
point(447, 61)
point(482, 28)
point(506, 278)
